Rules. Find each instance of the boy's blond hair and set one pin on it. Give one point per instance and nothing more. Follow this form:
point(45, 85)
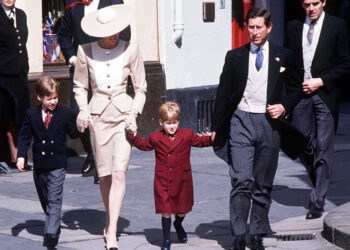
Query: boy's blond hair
point(46, 86)
point(169, 111)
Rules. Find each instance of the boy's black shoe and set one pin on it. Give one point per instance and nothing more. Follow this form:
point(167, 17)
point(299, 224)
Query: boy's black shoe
point(180, 231)
point(166, 245)
point(257, 242)
point(239, 243)
point(87, 166)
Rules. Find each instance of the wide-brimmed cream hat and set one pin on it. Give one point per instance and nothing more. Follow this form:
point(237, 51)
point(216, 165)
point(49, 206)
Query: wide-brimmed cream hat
point(107, 21)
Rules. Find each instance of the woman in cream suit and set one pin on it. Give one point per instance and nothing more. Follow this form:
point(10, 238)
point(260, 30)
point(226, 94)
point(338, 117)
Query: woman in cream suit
point(106, 64)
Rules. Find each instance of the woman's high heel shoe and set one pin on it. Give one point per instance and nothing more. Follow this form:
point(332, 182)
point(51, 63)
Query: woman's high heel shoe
point(111, 245)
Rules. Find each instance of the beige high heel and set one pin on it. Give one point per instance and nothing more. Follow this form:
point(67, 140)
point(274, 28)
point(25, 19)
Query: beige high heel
point(111, 245)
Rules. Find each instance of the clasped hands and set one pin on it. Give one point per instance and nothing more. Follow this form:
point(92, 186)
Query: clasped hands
point(83, 120)
point(311, 85)
point(130, 124)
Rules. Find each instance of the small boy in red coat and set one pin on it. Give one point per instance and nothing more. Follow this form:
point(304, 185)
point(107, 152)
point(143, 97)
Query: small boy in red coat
point(173, 187)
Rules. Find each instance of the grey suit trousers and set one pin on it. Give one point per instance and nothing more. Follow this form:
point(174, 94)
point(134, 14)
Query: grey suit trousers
point(254, 144)
point(49, 186)
point(313, 118)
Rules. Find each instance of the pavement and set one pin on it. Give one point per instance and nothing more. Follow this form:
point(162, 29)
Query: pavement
point(208, 227)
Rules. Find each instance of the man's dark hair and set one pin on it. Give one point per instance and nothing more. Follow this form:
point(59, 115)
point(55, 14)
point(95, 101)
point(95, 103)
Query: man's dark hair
point(259, 12)
point(302, 1)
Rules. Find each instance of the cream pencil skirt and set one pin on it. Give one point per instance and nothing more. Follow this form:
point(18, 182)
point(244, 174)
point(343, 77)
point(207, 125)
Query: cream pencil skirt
point(108, 140)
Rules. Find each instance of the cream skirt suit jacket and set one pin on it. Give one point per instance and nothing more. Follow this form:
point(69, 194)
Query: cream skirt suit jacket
point(107, 71)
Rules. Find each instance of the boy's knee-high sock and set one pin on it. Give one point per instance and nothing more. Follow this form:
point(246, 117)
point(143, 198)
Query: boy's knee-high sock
point(166, 224)
point(178, 219)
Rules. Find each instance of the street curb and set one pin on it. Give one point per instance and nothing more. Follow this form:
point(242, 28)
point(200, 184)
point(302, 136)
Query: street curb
point(336, 226)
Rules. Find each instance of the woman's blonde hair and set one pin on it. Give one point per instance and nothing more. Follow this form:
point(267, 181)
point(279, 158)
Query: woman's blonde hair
point(169, 111)
point(46, 86)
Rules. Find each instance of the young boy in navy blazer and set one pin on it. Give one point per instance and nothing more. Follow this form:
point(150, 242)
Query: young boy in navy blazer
point(48, 124)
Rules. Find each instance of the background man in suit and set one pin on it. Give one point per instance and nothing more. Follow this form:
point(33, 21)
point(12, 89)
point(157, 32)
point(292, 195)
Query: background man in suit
point(14, 93)
point(322, 57)
point(70, 35)
point(247, 137)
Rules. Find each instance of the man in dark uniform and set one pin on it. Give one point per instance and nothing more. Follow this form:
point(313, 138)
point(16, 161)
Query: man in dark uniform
point(14, 93)
point(70, 35)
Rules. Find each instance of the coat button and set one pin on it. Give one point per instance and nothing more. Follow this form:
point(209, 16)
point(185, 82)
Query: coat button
point(43, 141)
point(107, 52)
point(170, 169)
point(108, 86)
point(43, 152)
point(19, 37)
point(108, 64)
point(52, 142)
point(19, 44)
point(17, 30)
point(108, 75)
point(109, 98)
point(20, 51)
point(51, 153)
point(170, 181)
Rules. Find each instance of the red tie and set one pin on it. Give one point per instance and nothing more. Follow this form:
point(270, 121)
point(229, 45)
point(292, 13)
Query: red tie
point(47, 119)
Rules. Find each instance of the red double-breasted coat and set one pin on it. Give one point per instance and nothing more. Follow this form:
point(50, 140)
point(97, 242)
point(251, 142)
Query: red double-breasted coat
point(173, 186)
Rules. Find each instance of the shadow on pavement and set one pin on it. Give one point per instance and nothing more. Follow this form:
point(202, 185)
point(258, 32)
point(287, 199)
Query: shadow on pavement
point(293, 197)
point(217, 230)
point(91, 220)
point(35, 227)
point(154, 236)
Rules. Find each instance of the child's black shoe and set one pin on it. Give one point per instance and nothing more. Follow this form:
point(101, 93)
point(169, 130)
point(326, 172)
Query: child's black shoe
point(166, 245)
point(180, 231)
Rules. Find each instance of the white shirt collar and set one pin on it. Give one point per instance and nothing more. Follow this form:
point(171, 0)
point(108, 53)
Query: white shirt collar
point(253, 47)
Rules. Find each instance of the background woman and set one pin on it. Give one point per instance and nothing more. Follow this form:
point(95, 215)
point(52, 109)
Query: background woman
point(106, 64)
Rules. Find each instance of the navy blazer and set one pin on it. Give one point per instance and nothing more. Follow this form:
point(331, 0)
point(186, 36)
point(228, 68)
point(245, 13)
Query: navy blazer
point(331, 61)
point(70, 33)
point(50, 145)
point(13, 51)
point(233, 80)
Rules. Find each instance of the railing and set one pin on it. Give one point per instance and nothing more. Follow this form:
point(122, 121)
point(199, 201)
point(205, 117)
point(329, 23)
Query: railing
point(205, 110)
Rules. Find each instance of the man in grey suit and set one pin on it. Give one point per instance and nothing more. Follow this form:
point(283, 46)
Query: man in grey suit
point(246, 128)
point(322, 59)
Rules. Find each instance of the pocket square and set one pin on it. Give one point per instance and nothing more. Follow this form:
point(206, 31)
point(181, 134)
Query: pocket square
point(282, 69)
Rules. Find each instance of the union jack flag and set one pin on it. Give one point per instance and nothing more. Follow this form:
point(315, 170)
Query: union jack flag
point(51, 49)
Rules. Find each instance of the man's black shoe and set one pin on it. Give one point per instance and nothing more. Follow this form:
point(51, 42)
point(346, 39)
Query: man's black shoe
point(88, 165)
point(314, 213)
point(52, 240)
point(239, 243)
point(257, 242)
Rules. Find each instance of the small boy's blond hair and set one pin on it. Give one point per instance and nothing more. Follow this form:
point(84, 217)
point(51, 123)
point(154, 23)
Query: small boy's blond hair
point(169, 111)
point(46, 86)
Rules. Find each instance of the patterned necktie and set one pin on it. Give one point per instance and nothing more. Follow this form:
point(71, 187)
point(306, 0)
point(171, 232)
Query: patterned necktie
point(47, 119)
point(310, 33)
point(259, 59)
